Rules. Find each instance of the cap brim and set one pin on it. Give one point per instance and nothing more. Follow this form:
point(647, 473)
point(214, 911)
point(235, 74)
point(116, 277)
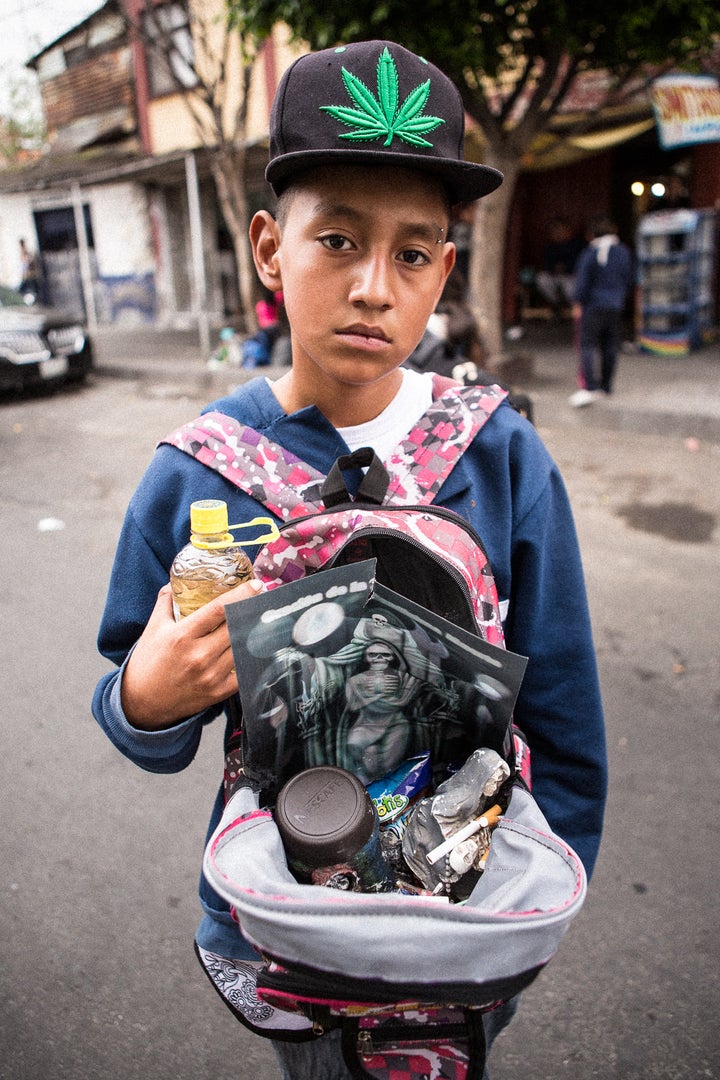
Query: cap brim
point(464, 181)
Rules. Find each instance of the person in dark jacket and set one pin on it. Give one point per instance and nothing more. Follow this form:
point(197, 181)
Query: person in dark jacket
point(603, 279)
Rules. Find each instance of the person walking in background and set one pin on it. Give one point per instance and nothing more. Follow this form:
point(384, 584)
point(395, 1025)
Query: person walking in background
point(603, 279)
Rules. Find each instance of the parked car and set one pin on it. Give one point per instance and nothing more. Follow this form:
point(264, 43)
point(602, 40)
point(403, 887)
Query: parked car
point(40, 345)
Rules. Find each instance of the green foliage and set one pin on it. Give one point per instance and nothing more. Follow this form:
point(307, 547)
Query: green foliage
point(21, 127)
point(489, 37)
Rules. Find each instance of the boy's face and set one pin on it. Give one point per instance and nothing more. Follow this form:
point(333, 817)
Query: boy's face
point(361, 255)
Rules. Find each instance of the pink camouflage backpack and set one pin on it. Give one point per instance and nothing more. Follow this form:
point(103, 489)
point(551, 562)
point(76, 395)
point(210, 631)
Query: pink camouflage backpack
point(405, 977)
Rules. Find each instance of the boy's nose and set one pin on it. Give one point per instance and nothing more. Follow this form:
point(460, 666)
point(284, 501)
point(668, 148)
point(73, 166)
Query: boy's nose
point(371, 284)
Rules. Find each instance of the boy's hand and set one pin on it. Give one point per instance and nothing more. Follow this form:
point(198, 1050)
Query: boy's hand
point(178, 669)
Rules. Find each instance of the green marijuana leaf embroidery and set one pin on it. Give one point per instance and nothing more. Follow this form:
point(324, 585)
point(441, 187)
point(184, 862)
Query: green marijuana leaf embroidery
point(377, 117)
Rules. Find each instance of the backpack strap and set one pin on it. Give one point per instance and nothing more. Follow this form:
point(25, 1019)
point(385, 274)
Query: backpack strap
point(424, 459)
point(289, 488)
point(274, 476)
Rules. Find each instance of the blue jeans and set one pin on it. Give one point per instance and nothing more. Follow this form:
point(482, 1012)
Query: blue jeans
point(322, 1059)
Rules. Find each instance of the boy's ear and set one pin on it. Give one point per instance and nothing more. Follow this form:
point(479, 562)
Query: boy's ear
point(449, 254)
point(265, 241)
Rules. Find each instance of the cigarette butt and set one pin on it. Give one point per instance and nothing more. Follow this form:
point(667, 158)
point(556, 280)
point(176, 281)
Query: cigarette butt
point(491, 817)
point(452, 841)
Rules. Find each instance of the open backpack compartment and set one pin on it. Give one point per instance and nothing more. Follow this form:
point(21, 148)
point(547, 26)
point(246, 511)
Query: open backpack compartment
point(335, 956)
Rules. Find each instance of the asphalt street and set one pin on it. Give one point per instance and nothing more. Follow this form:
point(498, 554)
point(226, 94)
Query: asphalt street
point(100, 860)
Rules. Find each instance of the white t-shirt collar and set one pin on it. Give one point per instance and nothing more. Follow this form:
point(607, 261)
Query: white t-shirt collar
point(385, 431)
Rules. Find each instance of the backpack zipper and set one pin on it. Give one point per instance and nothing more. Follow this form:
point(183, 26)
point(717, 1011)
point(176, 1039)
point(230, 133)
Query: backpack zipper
point(371, 1041)
point(310, 986)
point(374, 530)
point(439, 511)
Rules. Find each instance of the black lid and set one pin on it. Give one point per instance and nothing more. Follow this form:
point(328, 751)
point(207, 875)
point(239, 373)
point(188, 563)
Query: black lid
point(324, 816)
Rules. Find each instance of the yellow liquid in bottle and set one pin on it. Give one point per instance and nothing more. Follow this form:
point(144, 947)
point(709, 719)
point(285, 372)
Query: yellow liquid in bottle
point(198, 576)
point(211, 564)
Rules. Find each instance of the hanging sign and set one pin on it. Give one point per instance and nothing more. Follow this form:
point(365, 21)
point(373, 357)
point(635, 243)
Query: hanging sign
point(687, 109)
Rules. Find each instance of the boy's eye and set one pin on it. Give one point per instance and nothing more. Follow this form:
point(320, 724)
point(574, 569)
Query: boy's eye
point(335, 242)
point(413, 257)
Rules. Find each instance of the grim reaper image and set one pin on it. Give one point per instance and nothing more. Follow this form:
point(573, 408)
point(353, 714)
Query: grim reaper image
point(376, 701)
point(349, 673)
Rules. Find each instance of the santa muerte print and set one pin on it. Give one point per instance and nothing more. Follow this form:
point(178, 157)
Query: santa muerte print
point(336, 669)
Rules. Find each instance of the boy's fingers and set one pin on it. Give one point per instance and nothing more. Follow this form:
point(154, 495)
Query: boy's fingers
point(211, 615)
point(231, 685)
point(163, 604)
point(242, 592)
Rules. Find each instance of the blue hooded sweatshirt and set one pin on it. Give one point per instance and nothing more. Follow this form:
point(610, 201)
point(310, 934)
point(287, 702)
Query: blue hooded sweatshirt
point(509, 489)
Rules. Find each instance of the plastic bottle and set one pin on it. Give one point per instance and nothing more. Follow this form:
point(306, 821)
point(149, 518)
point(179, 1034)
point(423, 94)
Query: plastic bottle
point(214, 561)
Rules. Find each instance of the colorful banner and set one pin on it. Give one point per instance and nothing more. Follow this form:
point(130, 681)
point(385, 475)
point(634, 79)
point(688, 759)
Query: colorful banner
point(687, 109)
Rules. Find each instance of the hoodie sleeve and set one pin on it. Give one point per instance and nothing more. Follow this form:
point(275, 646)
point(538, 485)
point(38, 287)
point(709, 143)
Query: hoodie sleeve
point(166, 751)
point(156, 526)
point(582, 275)
point(559, 707)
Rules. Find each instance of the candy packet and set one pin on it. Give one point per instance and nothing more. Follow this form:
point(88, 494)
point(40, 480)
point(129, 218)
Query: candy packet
point(394, 796)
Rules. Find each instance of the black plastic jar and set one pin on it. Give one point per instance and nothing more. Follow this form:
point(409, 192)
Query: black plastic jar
point(329, 829)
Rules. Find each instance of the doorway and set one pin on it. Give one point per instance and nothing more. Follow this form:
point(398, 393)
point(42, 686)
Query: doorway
point(60, 256)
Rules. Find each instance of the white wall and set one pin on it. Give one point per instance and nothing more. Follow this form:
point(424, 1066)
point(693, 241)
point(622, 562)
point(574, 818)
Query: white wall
point(122, 237)
point(121, 228)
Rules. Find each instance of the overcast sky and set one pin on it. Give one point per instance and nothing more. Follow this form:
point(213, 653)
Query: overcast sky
point(26, 26)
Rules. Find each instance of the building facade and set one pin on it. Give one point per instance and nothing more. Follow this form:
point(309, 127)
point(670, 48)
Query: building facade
point(124, 212)
point(121, 207)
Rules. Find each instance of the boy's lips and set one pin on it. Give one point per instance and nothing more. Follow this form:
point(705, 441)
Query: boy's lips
point(368, 334)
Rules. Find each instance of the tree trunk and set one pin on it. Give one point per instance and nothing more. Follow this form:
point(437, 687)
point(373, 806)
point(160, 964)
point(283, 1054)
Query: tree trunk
point(488, 254)
point(228, 170)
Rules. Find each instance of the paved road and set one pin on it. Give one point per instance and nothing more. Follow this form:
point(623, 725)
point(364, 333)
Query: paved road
point(100, 860)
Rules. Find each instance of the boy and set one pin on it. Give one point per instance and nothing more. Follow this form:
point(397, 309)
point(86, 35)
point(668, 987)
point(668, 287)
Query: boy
point(359, 248)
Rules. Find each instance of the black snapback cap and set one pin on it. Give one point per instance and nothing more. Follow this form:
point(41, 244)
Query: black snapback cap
point(373, 103)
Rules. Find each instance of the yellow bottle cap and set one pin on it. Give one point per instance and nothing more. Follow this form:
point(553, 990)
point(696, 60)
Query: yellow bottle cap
point(208, 516)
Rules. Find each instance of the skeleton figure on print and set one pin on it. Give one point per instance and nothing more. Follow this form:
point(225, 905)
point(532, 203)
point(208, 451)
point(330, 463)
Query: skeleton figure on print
point(377, 697)
point(376, 701)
